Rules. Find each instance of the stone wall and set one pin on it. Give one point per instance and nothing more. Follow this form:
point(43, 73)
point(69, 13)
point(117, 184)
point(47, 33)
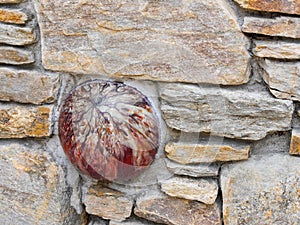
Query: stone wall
point(222, 75)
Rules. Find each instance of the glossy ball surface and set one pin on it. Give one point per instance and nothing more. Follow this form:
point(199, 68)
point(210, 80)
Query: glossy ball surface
point(108, 130)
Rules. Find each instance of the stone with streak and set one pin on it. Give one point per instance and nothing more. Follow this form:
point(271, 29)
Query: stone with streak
point(202, 190)
point(281, 6)
point(283, 78)
point(33, 188)
point(295, 142)
point(12, 16)
point(25, 121)
point(107, 203)
point(263, 190)
point(277, 49)
point(36, 88)
point(15, 56)
point(175, 211)
point(186, 153)
point(10, 1)
point(278, 26)
point(224, 112)
point(193, 170)
point(13, 35)
point(154, 40)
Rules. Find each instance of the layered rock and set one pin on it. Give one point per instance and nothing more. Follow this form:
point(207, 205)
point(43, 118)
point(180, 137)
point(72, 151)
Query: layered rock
point(15, 56)
point(295, 142)
point(164, 41)
point(13, 16)
point(224, 112)
point(13, 35)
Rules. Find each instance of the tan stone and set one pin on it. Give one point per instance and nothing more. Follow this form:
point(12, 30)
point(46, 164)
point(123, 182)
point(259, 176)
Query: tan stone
point(277, 49)
point(14, 35)
point(12, 16)
point(283, 78)
point(186, 153)
point(10, 1)
point(15, 56)
point(279, 26)
point(175, 211)
point(25, 121)
point(202, 190)
point(33, 188)
point(36, 88)
point(295, 142)
point(154, 40)
point(282, 6)
point(108, 203)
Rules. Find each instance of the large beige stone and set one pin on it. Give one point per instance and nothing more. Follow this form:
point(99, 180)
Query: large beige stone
point(283, 78)
point(155, 40)
point(295, 142)
point(36, 88)
point(282, 6)
point(224, 112)
point(13, 16)
point(202, 190)
point(277, 49)
point(107, 203)
point(15, 56)
point(278, 26)
point(175, 211)
point(14, 35)
point(25, 121)
point(263, 190)
point(33, 188)
point(186, 153)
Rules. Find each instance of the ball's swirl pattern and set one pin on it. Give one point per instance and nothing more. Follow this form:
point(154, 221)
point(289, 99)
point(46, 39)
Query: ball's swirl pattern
point(108, 130)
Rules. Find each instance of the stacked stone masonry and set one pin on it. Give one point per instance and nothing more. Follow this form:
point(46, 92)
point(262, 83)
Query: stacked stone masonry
point(223, 77)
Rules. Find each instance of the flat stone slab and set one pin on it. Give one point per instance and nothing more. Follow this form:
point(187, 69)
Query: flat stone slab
point(224, 112)
point(152, 40)
point(15, 56)
point(262, 190)
point(12, 16)
point(13, 35)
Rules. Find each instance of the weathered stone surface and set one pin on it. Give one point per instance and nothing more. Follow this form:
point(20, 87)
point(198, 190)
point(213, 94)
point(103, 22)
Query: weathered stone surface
point(33, 189)
point(295, 142)
point(224, 112)
point(97, 221)
point(10, 1)
point(156, 40)
point(279, 26)
point(193, 170)
point(12, 16)
point(36, 88)
point(15, 56)
point(186, 153)
point(282, 6)
point(25, 121)
point(203, 190)
point(262, 190)
point(283, 78)
point(14, 35)
point(175, 211)
point(131, 222)
point(107, 203)
point(277, 49)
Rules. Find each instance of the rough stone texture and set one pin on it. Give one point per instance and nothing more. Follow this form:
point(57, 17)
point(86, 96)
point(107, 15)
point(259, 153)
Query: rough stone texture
point(25, 121)
point(283, 78)
point(12, 16)
point(10, 1)
point(193, 170)
point(107, 203)
point(279, 26)
point(202, 190)
point(262, 190)
point(277, 49)
point(14, 35)
point(295, 142)
point(156, 40)
point(186, 153)
point(175, 211)
point(15, 56)
point(131, 222)
point(28, 86)
point(282, 6)
point(224, 112)
point(97, 221)
point(33, 188)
